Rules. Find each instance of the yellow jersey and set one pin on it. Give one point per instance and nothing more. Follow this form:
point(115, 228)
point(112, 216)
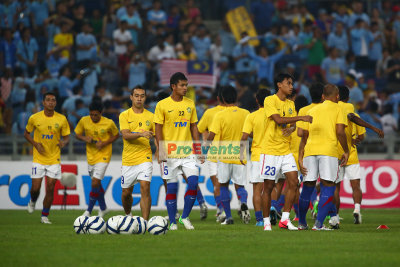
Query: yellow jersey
point(176, 118)
point(64, 39)
point(322, 139)
point(352, 130)
point(228, 124)
point(274, 142)
point(48, 132)
point(294, 146)
point(254, 123)
point(303, 112)
point(136, 151)
point(206, 120)
point(100, 131)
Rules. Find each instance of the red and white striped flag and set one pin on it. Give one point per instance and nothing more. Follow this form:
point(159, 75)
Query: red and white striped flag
point(198, 73)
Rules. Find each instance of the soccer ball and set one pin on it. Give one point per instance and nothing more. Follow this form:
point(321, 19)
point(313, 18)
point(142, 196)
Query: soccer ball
point(80, 224)
point(141, 224)
point(158, 225)
point(68, 179)
point(127, 225)
point(95, 225)
point(112, 225)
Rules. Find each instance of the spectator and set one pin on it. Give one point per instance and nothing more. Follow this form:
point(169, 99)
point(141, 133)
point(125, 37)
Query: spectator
point(27, 52)
point(109, 23)
point(316, 53)
point(216, 50)
point(86, 44)
point(359, 39)
point(228, 41)
point(338, 39)
point(40, 11)
point(371, 116)
point(17, 97)
point(188, 53)
point(302, 17)
point(109, 66)
point(262, 12)
point(156, 15)
point(137, 71)
point(55, 62)
point(304, 39)
point(323, 22)
point(160, 51)
point(8, 50)
point(173, 18)
point(122, 37)
point(6, 84)
point(393, 72)
point(191, 11)
point(356, 95)
point(65, 84)
point(123, 10)
point(341, 17)
point(96, 22)
point(8, 10)
point(78, 12)
point(241, 55)
point(358, 14)
point(224, 71)
point(64, 40)
point(382, 64)
point(375, 43)
point(134, 22)
point(201, 43)
point(333, 67)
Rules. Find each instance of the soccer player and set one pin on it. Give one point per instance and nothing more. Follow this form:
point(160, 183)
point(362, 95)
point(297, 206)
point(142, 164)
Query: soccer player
point(137, 128)
point(51, 133)
point(204, 126)
point(98, 133)
point(175, 121)
point(276, 158)
point(354, 135)
point(254, 123)
point(318, 154)
point(228, 124)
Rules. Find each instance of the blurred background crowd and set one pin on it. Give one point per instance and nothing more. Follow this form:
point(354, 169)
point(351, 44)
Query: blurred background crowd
point(102, 49)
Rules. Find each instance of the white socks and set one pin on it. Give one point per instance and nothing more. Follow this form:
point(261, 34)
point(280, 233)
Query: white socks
point(357, 207)
point(267, 221)
point(285, 216)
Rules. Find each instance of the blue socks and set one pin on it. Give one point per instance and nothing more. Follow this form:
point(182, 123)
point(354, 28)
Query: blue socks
point(281, 203)
point(172, 189)
point(296, 209)
point(45, 212)
point(259, 216)
point(218, 202)
point(199, 196)
point(190, 196)
point(102, 202)
point(242, 194)
point(304, 203)
point(313, 196)
point(325, 204)
point(93, 196)
point(225, 200)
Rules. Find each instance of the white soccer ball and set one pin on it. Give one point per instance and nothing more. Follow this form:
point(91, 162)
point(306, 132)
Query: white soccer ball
point(68, 179)
point(112, 225)
point(80, 224)
point(141, 225)
point(157, 225)
point(126, 225)
point(95, 225)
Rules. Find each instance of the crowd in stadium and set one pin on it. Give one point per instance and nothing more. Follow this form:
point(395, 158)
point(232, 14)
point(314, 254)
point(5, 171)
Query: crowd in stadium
point(102, 49)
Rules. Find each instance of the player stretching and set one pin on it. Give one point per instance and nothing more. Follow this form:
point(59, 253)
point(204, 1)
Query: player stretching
point(354, 135)
point(98, 133)
point(204, 126)
point(228, 124)
point(136, 125)
point(275, 157)
point(318, 148)
point(48, 126)
point(175, 121)
point(254, 123)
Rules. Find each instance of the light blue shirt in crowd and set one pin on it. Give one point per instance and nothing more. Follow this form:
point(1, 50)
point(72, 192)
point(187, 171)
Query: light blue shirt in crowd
point(333, 69)
point(353, 17)
point(201, 46)
point(65, 86)
point(157, 16)
point(40, 11)
point(134, 20)
point(137, 74)
point(375, 51)
point(357, 37)
point(356, 95)
point(339, 42)
point(27, 50)
point(266, 65)
point(85, 39)
point(244, 64)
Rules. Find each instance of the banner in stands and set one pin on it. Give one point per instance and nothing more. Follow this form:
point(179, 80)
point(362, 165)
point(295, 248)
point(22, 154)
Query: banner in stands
point(239, 21)
point(379, 183)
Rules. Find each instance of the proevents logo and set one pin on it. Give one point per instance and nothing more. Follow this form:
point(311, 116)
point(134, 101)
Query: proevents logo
point(379, 184)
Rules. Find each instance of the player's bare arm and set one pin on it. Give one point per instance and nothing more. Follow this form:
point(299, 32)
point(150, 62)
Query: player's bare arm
point(63, 141)
point(357, 120)
point(288, 131)
point(100, 144)
point(245, 136)
point(303, 143)
point(84, 138)
point(356, 141)
point(160, 153)
point(289, 120)
point(39, 147)
point(341, 136)
point(196, 137)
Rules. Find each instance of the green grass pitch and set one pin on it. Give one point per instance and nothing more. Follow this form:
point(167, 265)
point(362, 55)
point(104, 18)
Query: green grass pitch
point(27, 242)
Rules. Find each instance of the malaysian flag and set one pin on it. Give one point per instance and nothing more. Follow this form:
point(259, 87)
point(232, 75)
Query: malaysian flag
point(198, 72)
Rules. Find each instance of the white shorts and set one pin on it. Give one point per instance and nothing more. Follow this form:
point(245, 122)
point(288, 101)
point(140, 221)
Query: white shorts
point(274, 167)
point(132, 174)
point(174, 167)
point(212, 168)
point(235, 172)
point(97, 170)
point(350, 172)
point(325, 167)
point(255, 173)
point(51, 171)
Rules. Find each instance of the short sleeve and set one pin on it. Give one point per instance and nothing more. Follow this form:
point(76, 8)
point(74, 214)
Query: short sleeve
point(65, 128)
point(123, 122)
point(341, 118)
point(270, 107)
point(193, 118)
point(203, 123)
point(159, 114)
point(216, 125)
point(113, 128)
point(248, 125)
point(79, 129)
point(30, 125)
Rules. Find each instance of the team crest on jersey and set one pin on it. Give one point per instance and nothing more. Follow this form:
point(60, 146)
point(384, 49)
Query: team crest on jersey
point(49, 127)
point(189, 110)
point(290, 111)
point(102, 131)
point(148, 123)
point(56, 126)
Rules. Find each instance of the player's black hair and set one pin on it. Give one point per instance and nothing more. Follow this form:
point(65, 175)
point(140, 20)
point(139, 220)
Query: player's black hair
point(137, 87)
point(96, 105)
point(261, 95)
point(280, 78)
point(176, 77)
point(300, 102)
point(316, 90)
point(49, 93)
point(330, 90)
point(344, 93)
point(229, 94)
